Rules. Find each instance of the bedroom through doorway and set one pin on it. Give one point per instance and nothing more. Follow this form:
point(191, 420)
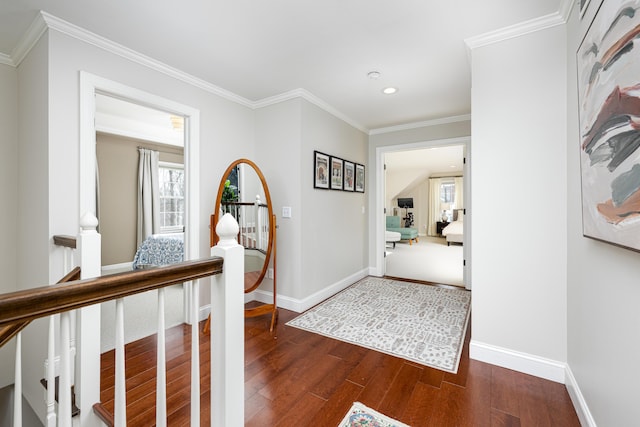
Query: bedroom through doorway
point(424, 193)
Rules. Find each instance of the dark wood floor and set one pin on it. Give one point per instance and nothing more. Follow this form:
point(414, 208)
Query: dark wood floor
point(304, 379)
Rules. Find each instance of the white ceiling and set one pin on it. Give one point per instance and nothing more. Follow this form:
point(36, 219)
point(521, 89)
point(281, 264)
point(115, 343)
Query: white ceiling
point(258, 49)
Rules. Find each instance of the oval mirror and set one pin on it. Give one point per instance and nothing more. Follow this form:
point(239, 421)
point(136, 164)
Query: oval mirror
point(243, 192)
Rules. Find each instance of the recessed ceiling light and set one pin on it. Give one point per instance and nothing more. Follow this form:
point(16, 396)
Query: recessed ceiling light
point(373, 74)
point(389, 90)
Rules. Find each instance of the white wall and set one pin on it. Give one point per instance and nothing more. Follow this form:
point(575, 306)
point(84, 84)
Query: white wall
point(519, 260)
point(334, 226)
point(278, 144)
point(9, 197)
point(603, 289)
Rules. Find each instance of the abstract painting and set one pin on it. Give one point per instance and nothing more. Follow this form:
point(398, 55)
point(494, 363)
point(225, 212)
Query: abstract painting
point(609, 106)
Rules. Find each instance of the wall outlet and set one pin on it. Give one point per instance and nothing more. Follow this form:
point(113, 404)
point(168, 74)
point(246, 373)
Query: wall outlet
point(286, 212)
point(270, 273)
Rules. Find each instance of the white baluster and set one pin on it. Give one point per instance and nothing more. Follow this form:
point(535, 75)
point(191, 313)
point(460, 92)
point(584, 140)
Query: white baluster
point(227, 329)
point(51, 374)
point(161, 368)
point(257, 222)
point(64, 388)
point(195, 356)
point(120, 401)
point(87, 376)
point(17, 387)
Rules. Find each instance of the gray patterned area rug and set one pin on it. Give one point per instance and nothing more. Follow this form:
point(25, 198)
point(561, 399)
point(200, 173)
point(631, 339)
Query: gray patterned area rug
point(422, 323)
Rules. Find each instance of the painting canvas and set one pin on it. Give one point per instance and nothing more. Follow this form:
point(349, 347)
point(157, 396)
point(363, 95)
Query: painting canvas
point(609, 107)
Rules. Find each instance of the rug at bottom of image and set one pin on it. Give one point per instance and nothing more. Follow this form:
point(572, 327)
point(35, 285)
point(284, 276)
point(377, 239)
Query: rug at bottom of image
point(361, 416)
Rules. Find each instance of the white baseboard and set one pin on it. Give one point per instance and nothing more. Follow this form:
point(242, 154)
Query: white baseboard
point(579, 403)
point(522, 362)
point(300, 305)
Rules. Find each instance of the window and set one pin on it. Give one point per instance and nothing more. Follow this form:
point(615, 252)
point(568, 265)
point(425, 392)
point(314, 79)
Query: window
point(448, 197)
point(171, 197)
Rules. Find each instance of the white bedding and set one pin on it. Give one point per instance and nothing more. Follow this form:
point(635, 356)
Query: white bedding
point(456, 227)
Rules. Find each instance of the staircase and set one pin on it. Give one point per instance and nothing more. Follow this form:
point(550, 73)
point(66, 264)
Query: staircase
point(73, 341)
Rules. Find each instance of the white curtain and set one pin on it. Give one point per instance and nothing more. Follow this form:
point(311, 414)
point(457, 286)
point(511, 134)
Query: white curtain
point(459, 203)
point(434, 205)
point(148, 195)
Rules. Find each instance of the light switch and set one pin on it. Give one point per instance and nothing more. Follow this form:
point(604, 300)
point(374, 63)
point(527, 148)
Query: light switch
point(286, 212)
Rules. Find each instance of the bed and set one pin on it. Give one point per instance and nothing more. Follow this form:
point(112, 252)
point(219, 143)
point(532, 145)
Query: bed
point(158, 250)
point(454, 232)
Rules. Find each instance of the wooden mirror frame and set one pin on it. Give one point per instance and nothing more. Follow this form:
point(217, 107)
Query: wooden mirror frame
point(216, 217)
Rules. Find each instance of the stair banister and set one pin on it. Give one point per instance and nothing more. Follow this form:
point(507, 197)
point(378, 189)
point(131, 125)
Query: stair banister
point(227, 329)
point(87, 381)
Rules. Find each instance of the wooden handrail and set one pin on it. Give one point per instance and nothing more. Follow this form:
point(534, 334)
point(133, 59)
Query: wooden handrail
point(44, 301)
point(10, 330)
point(66, 241)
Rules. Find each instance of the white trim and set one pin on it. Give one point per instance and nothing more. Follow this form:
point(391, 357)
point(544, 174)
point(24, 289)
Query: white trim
point(300, 305)
point(541, 367)
point(516, 30)
point(123, 51)
point(6, 60)
point(409, 126)
point(579, 402)
point(29, 39)
point(308, 96)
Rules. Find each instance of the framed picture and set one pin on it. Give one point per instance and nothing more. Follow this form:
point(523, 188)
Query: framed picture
point(583, 6)
point(320, 170)
point(359, 178)
point(336, 173)
point(349, 176)
point(609, 100)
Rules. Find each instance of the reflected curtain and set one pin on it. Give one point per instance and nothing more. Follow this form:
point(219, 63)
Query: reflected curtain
point(434, 205)
point(148, 194)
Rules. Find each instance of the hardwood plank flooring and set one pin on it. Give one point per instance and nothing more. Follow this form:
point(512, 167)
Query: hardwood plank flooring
point(297, 378)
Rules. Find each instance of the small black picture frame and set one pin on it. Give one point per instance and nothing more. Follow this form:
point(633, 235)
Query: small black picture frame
point(337, 171)
point(349, 176)
point(360, 178)
point(320, 170)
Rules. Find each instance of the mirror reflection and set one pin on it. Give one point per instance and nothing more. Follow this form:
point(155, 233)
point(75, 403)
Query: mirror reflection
point(243, 193)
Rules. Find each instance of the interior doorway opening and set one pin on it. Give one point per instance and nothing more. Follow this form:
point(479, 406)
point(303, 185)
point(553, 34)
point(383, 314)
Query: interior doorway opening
point(411, 172)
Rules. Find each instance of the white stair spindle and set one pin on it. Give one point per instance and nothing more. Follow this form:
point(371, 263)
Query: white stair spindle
point(195, 357)
point(64, 387)
point(120, 402)
point(17, 387)
point(161, 368)
point(257, 223)
point(51, 374)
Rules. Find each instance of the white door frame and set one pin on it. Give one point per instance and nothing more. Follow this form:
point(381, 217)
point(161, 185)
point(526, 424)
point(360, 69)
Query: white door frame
point(379, 215)
point(90, 85)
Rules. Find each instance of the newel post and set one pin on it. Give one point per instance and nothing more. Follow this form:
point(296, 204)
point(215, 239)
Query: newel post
point(88, 323)
point(227, 329)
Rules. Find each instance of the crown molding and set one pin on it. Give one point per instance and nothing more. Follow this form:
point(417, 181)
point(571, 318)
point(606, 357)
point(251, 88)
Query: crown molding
point(521, 29)
point(46, 21)
point(74, 31)
point(308, 96)
point(426, 123)
point(6, 60)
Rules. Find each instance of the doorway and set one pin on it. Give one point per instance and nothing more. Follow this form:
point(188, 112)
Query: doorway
point(92, 86)
point(406, 185)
